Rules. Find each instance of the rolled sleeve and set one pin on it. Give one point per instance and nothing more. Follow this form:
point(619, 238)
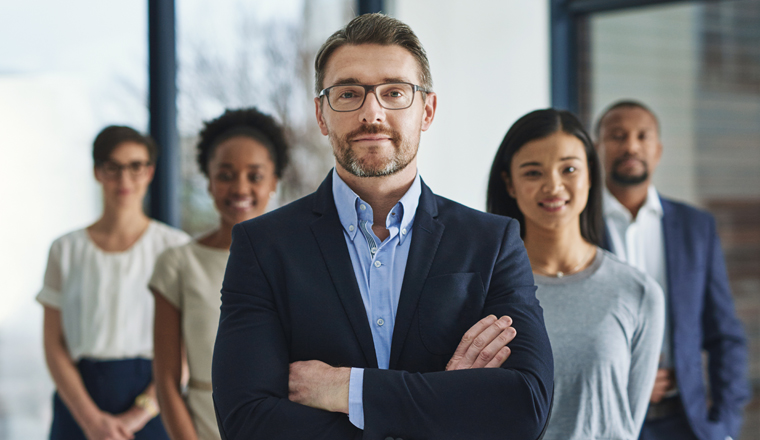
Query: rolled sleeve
point(49, 297)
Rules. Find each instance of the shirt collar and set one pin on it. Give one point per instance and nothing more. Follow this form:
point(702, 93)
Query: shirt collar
point(613, 207)
point(348, 202)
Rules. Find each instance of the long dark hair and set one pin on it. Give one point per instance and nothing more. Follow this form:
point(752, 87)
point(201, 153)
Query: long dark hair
point(538, 125)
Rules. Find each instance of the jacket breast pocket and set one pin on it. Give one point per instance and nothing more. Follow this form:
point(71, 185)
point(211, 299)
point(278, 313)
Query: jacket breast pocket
point(449, 305)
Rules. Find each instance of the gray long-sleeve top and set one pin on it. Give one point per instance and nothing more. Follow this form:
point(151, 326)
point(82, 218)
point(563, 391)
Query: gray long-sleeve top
point(605, 325)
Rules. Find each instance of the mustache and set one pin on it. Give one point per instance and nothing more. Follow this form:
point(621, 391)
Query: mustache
point(374, 129)
point(625, 157)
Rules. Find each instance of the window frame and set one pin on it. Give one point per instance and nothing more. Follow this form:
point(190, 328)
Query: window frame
point(566, 17)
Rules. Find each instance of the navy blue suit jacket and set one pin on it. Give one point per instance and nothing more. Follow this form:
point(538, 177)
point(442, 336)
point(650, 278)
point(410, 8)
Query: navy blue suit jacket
point(290, 294)
point(702, 316)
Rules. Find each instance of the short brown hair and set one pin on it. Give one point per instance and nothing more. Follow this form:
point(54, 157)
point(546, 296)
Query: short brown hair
point(112, 136)
point(373, 29)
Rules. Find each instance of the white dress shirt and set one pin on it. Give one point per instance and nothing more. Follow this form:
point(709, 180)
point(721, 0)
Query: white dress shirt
point(106, 308)
point(640, 242)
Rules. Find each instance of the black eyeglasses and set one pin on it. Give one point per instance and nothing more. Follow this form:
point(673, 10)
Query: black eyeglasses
point(351, 97)
point(113, 170)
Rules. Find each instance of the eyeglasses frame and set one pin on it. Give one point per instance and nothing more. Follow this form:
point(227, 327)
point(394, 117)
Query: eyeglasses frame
point(370, 89)
point(121, 168)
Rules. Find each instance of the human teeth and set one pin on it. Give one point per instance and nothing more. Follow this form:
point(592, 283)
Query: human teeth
point(554, 204)
point(242, 204)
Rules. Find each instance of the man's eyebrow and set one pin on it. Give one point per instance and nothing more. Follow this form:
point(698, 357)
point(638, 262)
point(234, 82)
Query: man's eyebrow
point(232, 165)
point(344, 81)
point(396, 80)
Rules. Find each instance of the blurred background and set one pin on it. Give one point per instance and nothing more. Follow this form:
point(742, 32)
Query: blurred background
point(69, 68)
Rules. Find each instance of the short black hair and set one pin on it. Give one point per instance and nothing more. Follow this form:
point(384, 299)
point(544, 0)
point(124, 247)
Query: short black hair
point(538, 125)
point(248, 122)
point(624, 103)
point(114, 135)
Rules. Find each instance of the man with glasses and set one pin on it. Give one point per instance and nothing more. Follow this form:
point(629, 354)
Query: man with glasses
point(373, 308)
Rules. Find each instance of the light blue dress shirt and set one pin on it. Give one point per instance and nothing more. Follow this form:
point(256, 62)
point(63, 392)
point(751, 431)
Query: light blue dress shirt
point(379, 268)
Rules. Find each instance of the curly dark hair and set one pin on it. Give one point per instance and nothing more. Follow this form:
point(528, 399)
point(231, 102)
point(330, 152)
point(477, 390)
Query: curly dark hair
point(248, 122)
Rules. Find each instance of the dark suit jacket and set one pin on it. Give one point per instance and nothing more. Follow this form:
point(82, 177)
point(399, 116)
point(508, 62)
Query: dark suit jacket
point(290, 294)
point(702, 317)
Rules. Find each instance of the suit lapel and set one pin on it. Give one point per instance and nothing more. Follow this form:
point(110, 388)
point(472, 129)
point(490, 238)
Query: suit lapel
point(425, 239)
point(329, 235)
point(607, 239)
point(670, 232)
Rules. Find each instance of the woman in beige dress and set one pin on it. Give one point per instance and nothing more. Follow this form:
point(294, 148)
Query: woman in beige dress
point(243, 153)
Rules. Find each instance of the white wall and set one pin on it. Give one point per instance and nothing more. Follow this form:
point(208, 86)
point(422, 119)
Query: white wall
point(490, 65)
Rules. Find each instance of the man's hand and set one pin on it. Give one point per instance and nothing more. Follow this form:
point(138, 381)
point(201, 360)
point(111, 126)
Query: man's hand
point(484, 345)
point(318, 385)
point(663, 382)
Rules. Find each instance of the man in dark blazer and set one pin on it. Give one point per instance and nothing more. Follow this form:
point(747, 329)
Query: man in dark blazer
point(677, 245)
point(368, 309)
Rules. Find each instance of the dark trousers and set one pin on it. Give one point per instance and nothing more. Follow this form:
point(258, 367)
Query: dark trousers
point(672, 427)
point(113, 385)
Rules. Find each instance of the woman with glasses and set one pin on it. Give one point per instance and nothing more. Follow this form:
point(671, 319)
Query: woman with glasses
point(243, 154)
point(98, 312)
point(604, 318)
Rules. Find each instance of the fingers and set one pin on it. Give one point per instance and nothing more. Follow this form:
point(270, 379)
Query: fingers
point(500, 358)
point(662, 384)
point(490, 351)
point(482, 343)
point(662, 373)
point(466, 341)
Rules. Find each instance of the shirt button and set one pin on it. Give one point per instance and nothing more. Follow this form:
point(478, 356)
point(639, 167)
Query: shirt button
point(351, 228)
point(362, 207)
point(378, 264)
point(403, 231)
point(380, 322)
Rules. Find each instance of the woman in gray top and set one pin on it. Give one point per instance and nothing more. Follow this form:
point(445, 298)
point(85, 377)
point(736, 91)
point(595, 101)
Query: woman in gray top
point(604, 318)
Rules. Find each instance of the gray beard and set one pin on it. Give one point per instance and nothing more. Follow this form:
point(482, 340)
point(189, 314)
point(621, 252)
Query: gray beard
point(346, 158)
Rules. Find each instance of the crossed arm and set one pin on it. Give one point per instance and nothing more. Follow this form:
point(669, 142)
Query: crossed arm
point(318, 385)
point(256, 390)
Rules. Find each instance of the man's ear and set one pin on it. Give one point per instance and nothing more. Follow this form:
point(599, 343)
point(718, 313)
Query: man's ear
point(431, 102)
point(508, 184)
point(320, 117)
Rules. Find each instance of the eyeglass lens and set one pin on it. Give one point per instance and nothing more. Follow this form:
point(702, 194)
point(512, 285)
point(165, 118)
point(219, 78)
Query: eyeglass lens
point(113, 169)
point(393, 96)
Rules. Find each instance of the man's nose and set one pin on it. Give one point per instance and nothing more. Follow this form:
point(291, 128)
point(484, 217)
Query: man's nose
point(371, 111)
point(631, 144)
